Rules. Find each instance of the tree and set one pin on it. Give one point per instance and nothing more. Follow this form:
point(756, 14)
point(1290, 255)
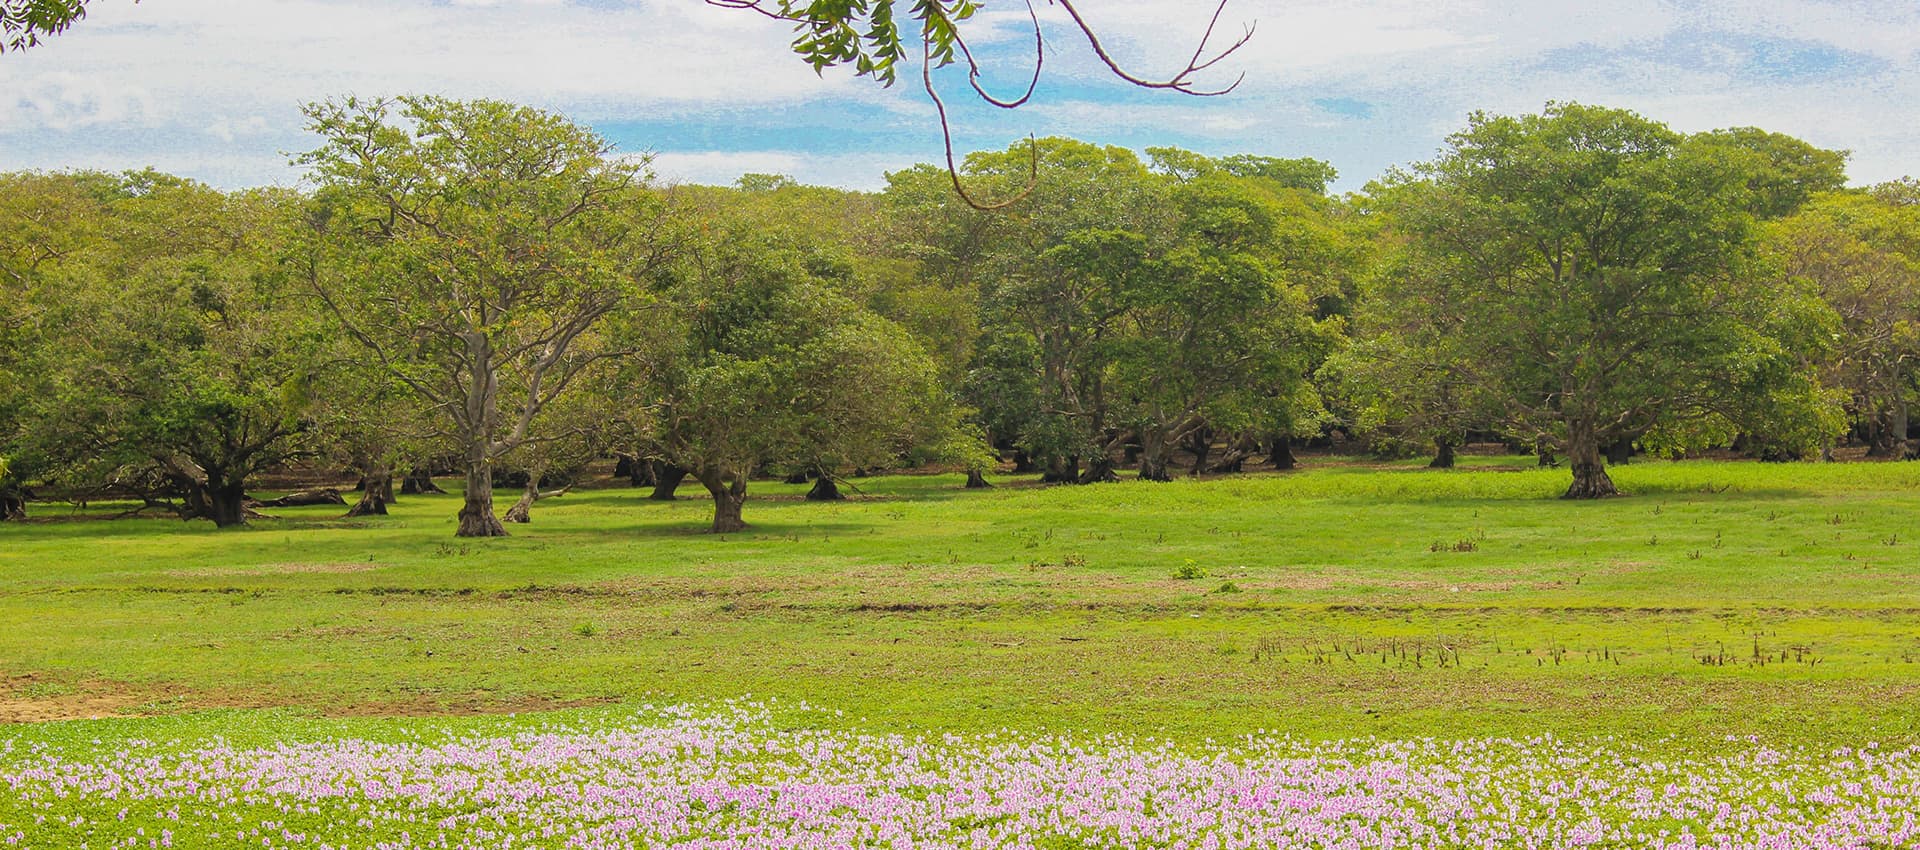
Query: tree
point(757, 359)
point(1305, 174)
point(1861, 252)
point(1782, 172)
point(1213, 336)
point(1400, 381)
point(23, 23)
point(1120, 308)
point(1602, 274)
point(179, 358)
point(473, 248)
point(1046, 273)
point(47, 221)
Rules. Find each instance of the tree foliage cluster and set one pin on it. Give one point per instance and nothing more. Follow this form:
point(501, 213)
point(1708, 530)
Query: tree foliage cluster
point(485, 289)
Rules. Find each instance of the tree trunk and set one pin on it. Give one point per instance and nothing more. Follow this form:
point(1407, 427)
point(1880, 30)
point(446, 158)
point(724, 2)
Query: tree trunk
point(824, 490)
point(799, 476)
point(1022, 462)
point(1590, 480)
point(666, 479)
point(1897, 426)
point(1061, 470)
point(1153, 456)
point(637, 470)
point(476, 513)
point(1281, 456)
point(13, 506)
point(1620, 452)
point(1543, 454)
point(371, 503)
point(419, 481)
point(376, 492)
point(1201, 444)
point(977, 480)
point(729, 496)
point(1443, 454)
point(304, 498)
point(522, 511)
point(1099, 471)
point(227, 502)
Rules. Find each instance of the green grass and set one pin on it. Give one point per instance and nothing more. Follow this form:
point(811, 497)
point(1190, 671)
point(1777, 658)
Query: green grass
point(1719, 598)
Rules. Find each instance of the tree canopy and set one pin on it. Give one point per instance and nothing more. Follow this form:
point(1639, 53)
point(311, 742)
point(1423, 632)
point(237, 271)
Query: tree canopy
point(488, 290)
point(1600, 280)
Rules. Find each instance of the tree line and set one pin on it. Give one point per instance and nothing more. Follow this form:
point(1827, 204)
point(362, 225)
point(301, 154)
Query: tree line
point(489, 289)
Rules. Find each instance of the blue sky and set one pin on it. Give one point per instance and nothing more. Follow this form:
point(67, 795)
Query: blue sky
point(211, 89)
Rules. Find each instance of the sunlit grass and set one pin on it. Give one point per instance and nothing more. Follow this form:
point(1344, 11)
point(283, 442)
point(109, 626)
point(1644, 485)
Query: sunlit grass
point(1344, 599)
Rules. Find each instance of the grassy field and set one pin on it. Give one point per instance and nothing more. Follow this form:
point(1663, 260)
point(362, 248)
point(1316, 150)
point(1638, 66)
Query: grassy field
point(1345, 599)
point(1444, 658)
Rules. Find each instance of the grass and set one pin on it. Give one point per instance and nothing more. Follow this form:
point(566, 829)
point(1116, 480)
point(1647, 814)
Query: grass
point(1348, 599)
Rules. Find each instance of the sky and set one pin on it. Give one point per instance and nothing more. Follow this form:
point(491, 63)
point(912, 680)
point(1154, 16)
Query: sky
point(212, 89)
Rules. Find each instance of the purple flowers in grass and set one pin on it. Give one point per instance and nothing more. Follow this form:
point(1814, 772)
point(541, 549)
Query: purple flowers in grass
point(732, 778)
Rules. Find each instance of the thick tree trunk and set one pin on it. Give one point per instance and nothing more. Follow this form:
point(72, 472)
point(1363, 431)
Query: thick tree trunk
point(824, 490)
point(1022, 462)
point(729, 493)
point(13, 506)
point(1590, 480)
point(1099, 471)
point(637, 470)
point(476, 512)
point(371, 504)
point(419, 481)
point(376, 492)
point(1061, 470)
point(977, 480)
point(1442, 454)
point(1281, 455)
point(1153, 457)
point(1896, 431)
point(227, 502)
point(666, 479)
point(1620, 452)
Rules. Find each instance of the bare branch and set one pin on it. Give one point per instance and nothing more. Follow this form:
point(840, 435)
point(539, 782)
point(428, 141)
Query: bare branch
point(946, 135)
point(973, 66)
point(1180, 82)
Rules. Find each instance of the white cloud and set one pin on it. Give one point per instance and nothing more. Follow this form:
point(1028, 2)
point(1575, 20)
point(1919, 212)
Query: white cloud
point(66, 100)
point(213, 87)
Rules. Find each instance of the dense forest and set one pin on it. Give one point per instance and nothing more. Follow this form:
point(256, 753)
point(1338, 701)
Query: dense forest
point(485, 289)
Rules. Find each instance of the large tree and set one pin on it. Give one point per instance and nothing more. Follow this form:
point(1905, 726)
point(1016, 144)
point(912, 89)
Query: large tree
point(1601, 272)
point(759, 358)
point(472, 248)
point(176, 355)
point(1862, 252)
point(48, 223)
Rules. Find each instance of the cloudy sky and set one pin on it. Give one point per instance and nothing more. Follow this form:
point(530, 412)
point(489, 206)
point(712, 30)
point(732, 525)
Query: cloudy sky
point(212, 88)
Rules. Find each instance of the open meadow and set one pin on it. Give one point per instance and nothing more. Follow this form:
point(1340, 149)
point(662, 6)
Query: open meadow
point(1727, 623)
